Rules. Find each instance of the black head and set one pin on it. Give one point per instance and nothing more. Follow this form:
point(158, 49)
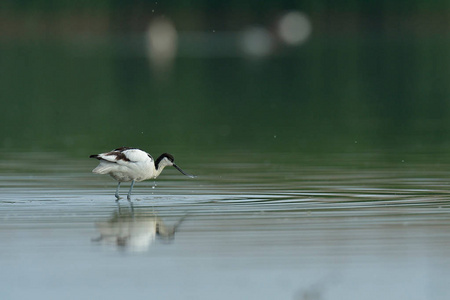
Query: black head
point(161, 157)
point(171, 159)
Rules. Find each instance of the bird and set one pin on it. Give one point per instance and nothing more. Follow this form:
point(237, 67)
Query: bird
point(126, 164)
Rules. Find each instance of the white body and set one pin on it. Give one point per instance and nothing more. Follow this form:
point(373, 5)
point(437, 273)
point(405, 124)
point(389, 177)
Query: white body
point(129, 165)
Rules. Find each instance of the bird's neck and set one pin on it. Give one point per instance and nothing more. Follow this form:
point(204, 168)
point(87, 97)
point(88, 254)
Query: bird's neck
point(158, 169)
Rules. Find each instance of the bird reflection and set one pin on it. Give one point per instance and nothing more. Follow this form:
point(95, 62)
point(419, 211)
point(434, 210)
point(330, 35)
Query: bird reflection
point(135, 230)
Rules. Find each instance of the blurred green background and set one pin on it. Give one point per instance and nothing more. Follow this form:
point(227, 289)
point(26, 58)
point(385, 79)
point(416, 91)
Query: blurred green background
point(211, 76)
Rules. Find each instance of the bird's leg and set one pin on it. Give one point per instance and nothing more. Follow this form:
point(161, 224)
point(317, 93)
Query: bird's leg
point(118, 207)
point(131, 209)
point(117, 192)
point(129, 192)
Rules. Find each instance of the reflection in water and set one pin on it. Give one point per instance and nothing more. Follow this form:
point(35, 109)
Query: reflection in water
point(334, 227)
point(135, 230)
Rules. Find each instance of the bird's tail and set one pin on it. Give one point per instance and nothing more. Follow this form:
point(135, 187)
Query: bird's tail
point(103, 168)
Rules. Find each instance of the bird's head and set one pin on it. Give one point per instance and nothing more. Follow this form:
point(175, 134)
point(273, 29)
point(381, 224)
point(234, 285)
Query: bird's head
point(167, 159)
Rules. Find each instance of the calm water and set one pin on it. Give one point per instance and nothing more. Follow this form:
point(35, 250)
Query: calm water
point(326, 227)
point(323, 169)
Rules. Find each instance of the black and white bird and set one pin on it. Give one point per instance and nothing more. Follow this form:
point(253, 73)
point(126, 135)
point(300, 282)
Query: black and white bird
point(130, 164)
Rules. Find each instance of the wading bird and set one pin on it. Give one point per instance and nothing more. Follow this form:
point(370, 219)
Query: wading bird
point(130, 164)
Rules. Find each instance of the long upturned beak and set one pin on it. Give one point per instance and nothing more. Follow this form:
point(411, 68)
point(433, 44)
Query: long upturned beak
point(182, 172)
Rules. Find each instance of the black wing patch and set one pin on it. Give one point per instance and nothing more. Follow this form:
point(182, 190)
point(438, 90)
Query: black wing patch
point(119, 155)
point(116, 154)
point(121, 149)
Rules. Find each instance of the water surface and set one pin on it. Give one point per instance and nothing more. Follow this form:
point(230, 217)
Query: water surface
point(321, 228)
